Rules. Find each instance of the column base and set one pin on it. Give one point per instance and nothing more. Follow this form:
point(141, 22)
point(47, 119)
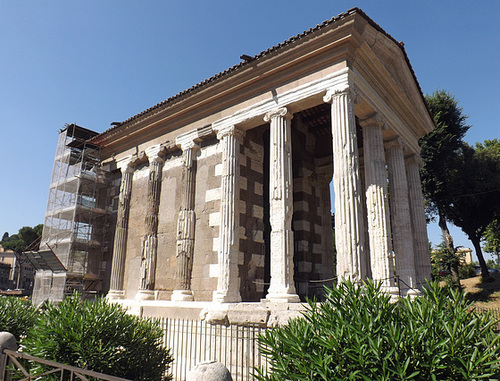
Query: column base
point(145, 295)
point(221, 297)
point(282, 298)
point(182, 296)
point(393, 291)
point(115, 294)
point(412, 293)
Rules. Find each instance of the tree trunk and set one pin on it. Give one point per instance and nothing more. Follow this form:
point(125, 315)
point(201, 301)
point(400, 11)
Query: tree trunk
point(476, 241)
point(448, 240)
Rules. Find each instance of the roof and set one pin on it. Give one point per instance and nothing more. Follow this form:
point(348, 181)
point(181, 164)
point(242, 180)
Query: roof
point(262, 54)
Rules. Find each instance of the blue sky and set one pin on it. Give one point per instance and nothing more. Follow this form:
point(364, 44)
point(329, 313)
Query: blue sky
point(94, 62)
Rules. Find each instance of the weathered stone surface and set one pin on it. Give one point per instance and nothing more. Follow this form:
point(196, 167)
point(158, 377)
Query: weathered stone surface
point(7, 341)
point(400, 213)
point(349, 224)
point(377, 202)
point(282, 285)
point(228, 289)
point(209, 371)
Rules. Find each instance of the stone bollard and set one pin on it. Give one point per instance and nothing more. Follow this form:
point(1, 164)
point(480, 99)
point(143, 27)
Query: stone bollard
point(7, 341)
point(209, 371)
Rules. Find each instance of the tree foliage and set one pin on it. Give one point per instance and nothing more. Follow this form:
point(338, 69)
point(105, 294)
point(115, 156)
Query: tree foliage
point(359, 334)
point(461, 183)
point(23, 239)
point(492, 237)
point(440, 154)
point(475, 203)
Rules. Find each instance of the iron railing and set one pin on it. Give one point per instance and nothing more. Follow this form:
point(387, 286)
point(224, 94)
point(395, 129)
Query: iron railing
point(192, 342)
point(64, 372)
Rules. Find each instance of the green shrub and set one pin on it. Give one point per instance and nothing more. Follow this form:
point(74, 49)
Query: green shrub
point(17, 315)
point(467, 270)
point(358, 334)
point(99, 336)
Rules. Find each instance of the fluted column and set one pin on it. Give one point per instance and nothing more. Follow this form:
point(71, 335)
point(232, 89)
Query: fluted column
point(419, 224)
point(323, 185)
point(121, 230)
point(349, 226)
point(150, 239)
point(186, 223)
point(377, 204)
point(400, 215)
point(228, 284)
point(282, 287)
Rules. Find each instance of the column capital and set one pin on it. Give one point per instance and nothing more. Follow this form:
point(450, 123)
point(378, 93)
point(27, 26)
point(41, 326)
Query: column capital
point(414, 158)
point(374, 120)
point(394, 143)
point(344, 88)
point(230, 130)
point(188, 140)
point(281, 111)
point(126, 164)
point(153, 153)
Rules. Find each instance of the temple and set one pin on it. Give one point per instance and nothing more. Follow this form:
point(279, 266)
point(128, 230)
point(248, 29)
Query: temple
point(222, 193)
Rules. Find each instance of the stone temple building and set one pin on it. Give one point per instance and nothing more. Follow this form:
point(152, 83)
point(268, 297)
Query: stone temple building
point(221, 193)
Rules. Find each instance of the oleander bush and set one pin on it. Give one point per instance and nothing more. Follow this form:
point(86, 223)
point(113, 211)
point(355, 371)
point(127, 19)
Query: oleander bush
point(359, 334)
point(99, 336)
point(17, 315)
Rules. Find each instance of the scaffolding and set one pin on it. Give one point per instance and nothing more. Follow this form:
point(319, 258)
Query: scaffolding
point(75, 227)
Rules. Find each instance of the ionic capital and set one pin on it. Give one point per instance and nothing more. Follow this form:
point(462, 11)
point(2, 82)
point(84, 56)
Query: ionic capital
point(394, 143)
point(279, 112)
point(188, 140)
point(230, 130)
point(374, 120)
point(153, 153)
point(126, 164)
point(414, 158)
point(344, 88)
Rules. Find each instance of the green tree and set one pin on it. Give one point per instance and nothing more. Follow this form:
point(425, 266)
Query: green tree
point(491, 239)
point(23, 240)
point(475, 202)
point(491, 236)
point(440, 154)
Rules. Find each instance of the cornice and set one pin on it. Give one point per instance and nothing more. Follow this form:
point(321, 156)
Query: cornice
point(259, 70)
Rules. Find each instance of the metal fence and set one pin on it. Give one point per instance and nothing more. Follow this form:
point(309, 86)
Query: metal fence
point(16, 367)
point(193, 342)
point(494, 313)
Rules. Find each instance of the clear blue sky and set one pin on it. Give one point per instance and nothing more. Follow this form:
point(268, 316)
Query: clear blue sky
point(94, 62)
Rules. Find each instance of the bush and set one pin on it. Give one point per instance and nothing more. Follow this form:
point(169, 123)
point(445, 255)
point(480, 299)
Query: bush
point(101, 337)
point(467, 270)
point(358, 334)
point(17, 315)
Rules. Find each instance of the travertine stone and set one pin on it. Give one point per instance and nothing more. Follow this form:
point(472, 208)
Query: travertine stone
point(120, 243)
point(150, 239)
point(366, 268)
point(417, 213)
point(186, 221)
point(377, 204)
point(209, 371)
point(349, 227)
point(400, 214)
point(228, 288)
point(282, 287)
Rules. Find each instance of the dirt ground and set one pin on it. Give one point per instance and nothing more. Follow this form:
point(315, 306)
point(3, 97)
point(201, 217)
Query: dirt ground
point(483, 294)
